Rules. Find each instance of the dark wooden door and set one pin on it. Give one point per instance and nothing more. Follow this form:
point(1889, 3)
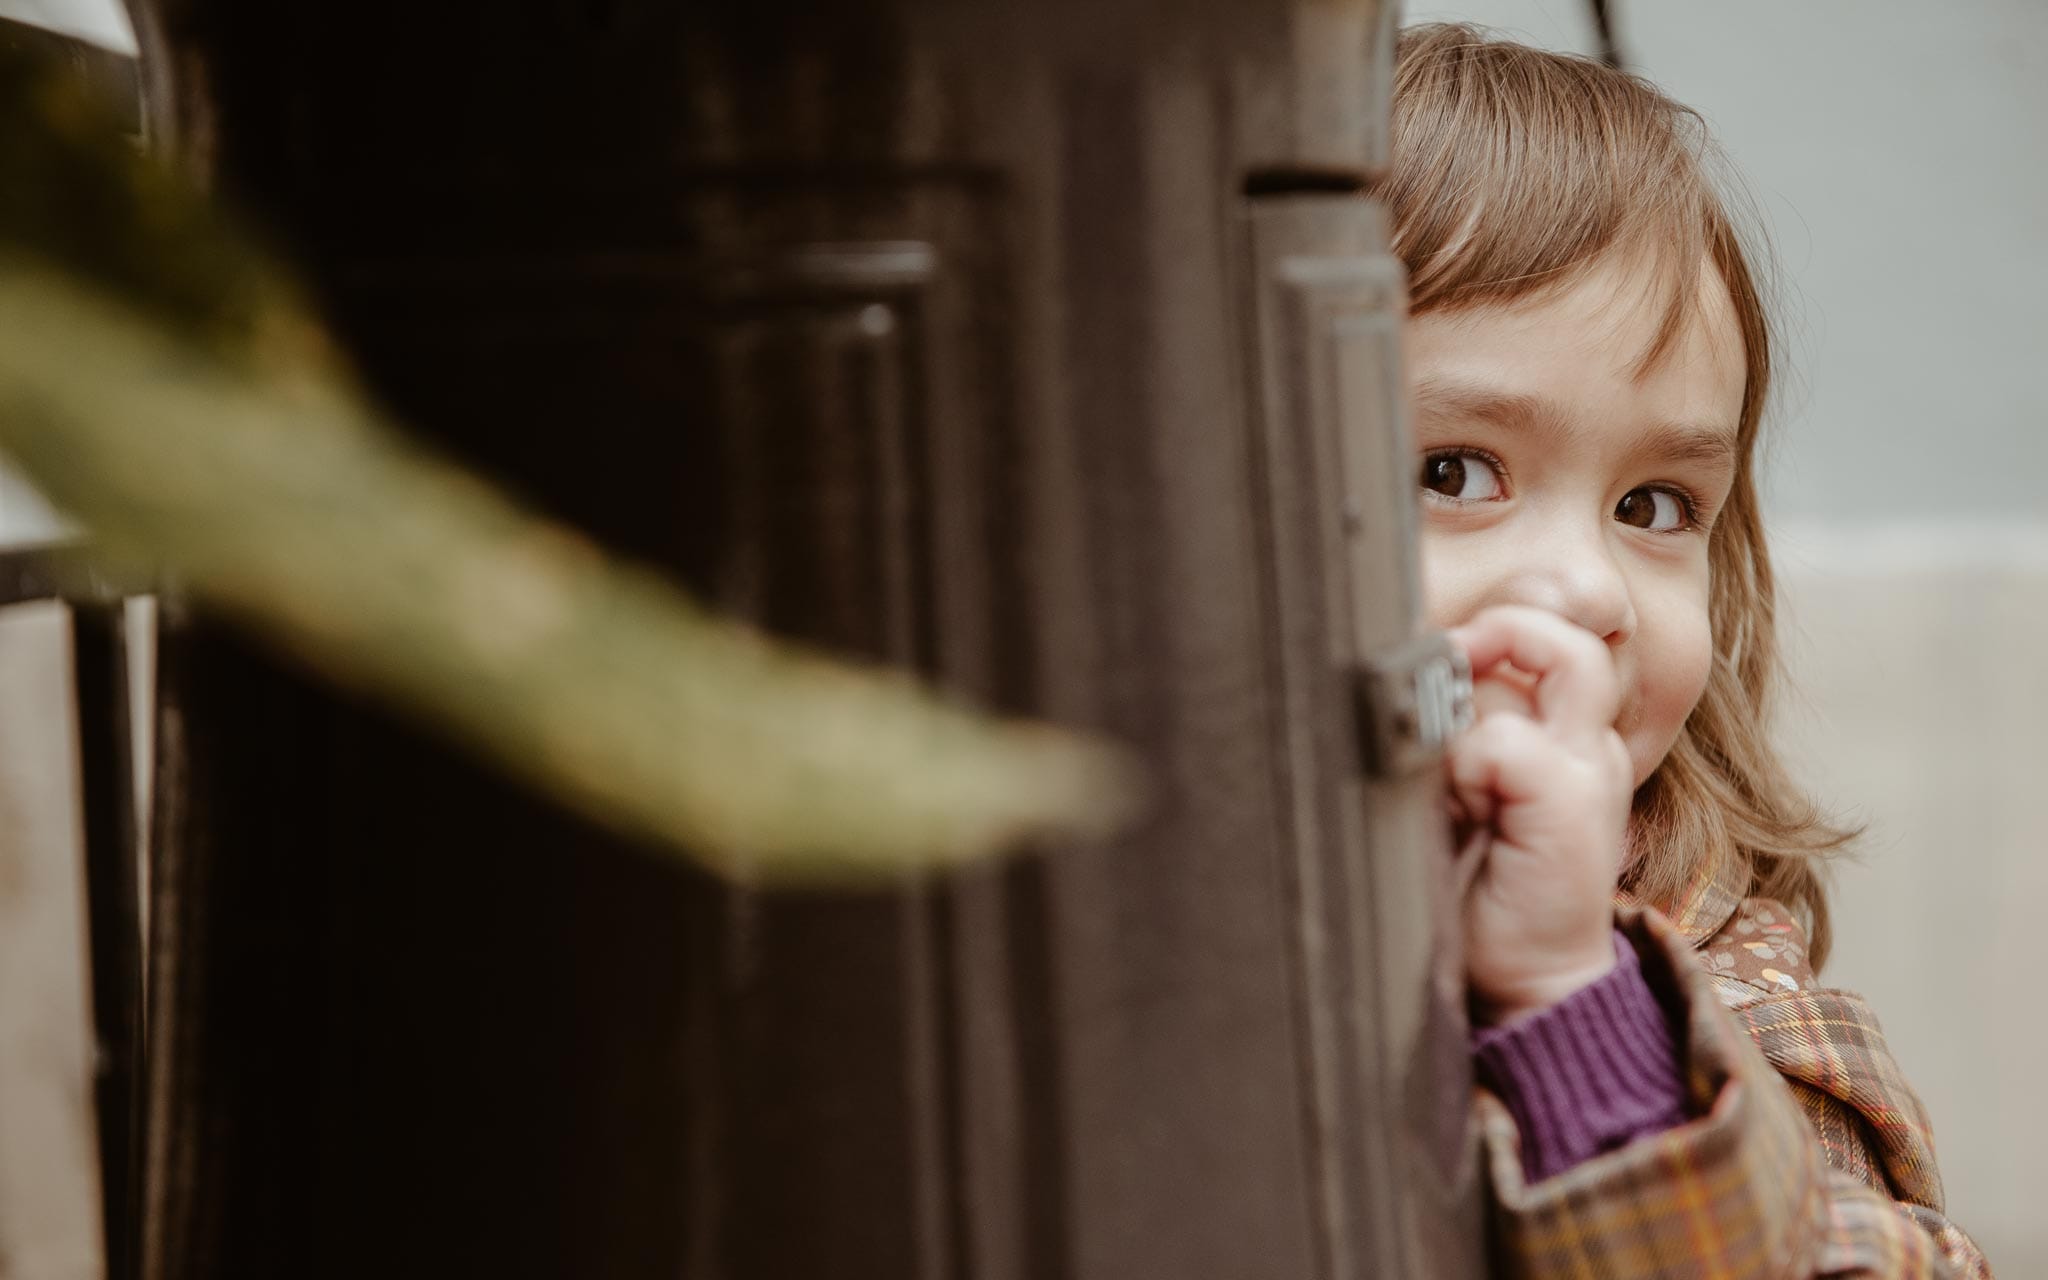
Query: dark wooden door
point(1049, 351)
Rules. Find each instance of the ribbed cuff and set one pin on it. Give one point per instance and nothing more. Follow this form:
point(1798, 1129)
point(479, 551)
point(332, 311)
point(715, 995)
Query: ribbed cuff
point(1591, 1073)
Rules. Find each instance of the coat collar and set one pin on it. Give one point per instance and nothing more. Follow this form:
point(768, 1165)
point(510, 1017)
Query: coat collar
point(1706, 902)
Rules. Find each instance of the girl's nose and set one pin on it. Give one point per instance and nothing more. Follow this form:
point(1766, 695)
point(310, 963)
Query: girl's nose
point(1576, 577)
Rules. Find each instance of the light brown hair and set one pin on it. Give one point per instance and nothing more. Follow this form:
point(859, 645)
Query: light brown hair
point(1515, 169)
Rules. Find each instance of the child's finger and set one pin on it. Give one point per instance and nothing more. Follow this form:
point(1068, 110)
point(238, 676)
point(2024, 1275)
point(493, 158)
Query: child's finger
point(1576, 688)
point(1495, 691)
point(1504, 759)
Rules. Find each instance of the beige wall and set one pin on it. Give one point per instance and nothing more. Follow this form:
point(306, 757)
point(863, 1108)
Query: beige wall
point(1922, 655)
point(49, 1167)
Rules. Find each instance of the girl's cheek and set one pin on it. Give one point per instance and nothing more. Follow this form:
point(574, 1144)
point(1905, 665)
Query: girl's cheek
point(1677, 666)
point(1452, 575)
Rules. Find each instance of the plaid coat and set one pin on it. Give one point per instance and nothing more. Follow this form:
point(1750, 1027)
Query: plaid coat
point(1810, 1155)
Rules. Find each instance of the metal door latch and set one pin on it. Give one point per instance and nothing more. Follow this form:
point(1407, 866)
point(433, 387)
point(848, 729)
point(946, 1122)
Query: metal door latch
point(1411, 703)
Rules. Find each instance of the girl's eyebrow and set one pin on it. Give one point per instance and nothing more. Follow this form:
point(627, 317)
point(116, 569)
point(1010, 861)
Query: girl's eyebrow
point(1663, 441)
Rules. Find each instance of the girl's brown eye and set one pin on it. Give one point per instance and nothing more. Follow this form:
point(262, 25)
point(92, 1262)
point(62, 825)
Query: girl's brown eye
point(1653, 509)
point(1460, 477)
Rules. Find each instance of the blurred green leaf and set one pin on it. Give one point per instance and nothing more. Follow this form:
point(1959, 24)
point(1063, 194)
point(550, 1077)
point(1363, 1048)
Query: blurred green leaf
point(160, 381)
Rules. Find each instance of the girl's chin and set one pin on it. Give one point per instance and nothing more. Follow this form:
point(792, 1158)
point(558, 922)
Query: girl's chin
point(1644, 758)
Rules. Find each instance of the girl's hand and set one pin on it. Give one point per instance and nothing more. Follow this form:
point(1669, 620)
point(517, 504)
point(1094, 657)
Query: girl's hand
point(1545, 772)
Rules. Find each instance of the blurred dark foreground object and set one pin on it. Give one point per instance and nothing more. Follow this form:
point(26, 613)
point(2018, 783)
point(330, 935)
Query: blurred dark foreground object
point(1051, 354)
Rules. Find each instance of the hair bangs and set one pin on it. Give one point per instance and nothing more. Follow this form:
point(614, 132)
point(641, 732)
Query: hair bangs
point(1514, 174)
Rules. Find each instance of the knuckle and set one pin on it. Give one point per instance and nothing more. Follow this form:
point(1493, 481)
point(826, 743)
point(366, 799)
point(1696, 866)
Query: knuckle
point(1494, 737)
point(1505, 728)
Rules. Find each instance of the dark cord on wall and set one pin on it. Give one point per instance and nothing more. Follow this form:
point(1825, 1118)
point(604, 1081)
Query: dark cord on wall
point(1603, 28)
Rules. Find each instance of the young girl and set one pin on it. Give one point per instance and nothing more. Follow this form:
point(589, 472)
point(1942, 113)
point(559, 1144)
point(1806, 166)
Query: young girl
point(1668, 1090)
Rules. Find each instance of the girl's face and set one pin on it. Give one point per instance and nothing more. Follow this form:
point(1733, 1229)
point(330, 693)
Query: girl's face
point(1553, 476)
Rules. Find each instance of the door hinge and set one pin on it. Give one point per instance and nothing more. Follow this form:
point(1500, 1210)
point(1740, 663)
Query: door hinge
point(1411, 702)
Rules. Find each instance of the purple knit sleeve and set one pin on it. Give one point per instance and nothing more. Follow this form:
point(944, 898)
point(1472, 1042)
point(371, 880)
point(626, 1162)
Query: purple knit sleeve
point(1589, 1074)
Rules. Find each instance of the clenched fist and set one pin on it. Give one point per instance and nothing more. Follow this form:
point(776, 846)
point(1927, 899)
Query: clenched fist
point(1543, 770)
